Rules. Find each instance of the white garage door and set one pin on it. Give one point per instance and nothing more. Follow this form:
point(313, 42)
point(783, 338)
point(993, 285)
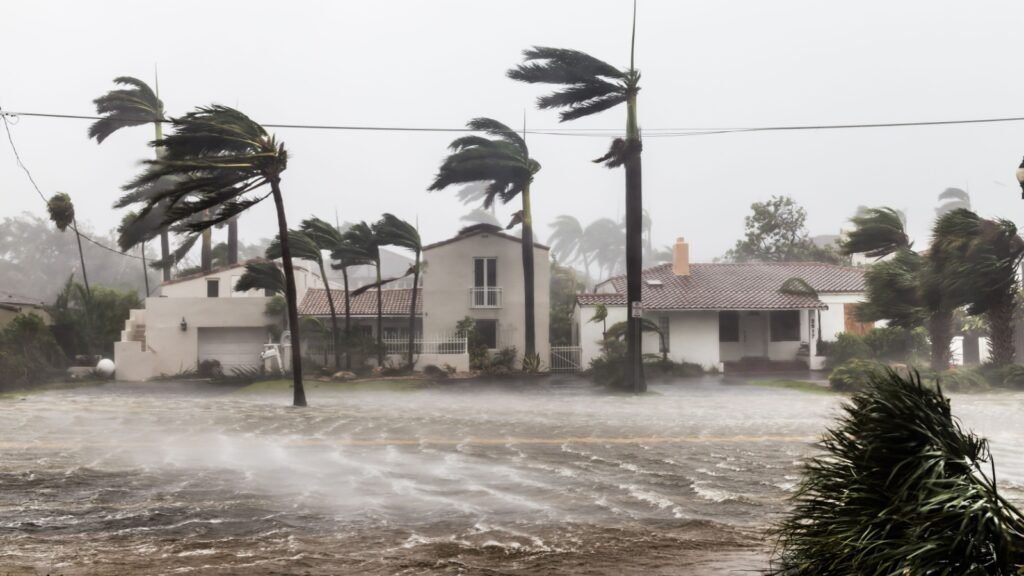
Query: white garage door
point(232, 347)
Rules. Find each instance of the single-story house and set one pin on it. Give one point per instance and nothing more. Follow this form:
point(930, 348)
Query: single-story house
point(720, 313)
point(13, 304)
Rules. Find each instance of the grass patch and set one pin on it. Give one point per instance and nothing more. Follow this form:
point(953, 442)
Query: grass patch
point(282, 385)
point(798, 385)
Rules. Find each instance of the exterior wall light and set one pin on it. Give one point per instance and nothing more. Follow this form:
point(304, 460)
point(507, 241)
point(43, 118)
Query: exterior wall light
point(184, 325)
point(1020, 178)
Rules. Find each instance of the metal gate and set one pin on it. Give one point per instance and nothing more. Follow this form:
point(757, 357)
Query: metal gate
point(566, 358)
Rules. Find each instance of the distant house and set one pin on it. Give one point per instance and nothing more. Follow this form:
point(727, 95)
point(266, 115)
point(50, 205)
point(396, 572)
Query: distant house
point(718, 314)
point(394, 310)
point(200, 317)
point(13, 304)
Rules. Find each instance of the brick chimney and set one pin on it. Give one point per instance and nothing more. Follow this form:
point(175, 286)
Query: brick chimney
point(681, 258)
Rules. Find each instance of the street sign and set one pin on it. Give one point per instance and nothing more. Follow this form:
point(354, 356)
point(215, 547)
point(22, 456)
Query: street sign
point(636, 309)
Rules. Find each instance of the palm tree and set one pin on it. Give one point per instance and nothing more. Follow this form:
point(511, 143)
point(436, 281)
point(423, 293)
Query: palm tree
point(134, 105)
point(593, 86)
point(394, 231)
point(62, 214)
point(601, 315)
point(504, 163)
point(305, 247)
point(567, 241)
point(981, 258)
point(364, 241)
point(222, 162)
point(878, 232)
point(345, 254)
point(327, 237)
point(604, 240)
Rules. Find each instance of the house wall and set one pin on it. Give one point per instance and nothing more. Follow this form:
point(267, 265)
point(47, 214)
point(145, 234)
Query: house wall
point(448, 278)
point(693, 337)
point(6, 315)
point(169, 349)
point(591, 333)
point(833, 320)
point(196, 287)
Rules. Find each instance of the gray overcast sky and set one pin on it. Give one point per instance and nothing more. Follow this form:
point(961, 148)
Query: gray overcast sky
point(439, 63)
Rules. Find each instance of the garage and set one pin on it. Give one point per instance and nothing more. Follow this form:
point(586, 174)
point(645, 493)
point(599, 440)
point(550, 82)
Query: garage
point(232, 347)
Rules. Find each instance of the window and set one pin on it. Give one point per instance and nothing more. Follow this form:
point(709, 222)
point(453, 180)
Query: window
point(485, 282)
point(728, 326)
point(213, 288)
point(785, 326)
point(663, 344)
point(487, 330)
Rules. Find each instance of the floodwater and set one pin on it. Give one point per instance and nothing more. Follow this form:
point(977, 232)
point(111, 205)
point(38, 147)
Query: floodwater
point(556, 479)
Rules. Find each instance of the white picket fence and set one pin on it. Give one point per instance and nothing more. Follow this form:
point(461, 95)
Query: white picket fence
point(566, 358)
point(432, 346)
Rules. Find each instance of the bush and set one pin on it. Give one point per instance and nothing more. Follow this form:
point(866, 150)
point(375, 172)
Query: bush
point(962, 380)
point(902, 489)
point(210, 369)
point(607, 369)
point(532, 364)
point(897, 344)
point(28, 352)
point(432, 371)
point(501, 362)
point(659, 367)
point(854, 375)
point(847, 347)
point(478, 354)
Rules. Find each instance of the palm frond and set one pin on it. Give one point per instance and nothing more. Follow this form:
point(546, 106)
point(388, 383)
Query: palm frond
point(393, 231)
point(261, 276)
point(546, 65)
point(133, 106)
point(325, 235)
point(300, 245)
point(877, 233)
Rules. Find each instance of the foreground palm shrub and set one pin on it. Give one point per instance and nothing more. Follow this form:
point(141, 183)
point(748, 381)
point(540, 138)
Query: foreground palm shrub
point(900, 490)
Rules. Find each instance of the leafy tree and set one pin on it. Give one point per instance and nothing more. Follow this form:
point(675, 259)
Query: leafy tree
point(901, 489)
point(222, 162)
point(62, 214)
point(776, 231)
point(394, 231)
point(503, 162)
point(90, 322)
point(591, 86)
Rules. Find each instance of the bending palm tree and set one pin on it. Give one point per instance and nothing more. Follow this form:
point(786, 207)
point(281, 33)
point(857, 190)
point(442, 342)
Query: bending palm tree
point(504, 163)
point(394, 231)
point(304, 246)
point(567, 241)
point(222, 163)
point(592, 86)
point(327, 237)
point(346, 254)
point(62, 214)
point(364, 240)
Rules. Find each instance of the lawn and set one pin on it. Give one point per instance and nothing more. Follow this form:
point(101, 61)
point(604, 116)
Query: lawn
point(383, 385)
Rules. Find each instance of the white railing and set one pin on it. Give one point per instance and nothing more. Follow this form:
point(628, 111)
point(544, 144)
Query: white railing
point(438, 345)
point(485, 297)
point(566, 358)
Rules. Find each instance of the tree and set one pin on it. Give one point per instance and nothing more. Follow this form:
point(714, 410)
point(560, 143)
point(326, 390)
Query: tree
point(364, 243)
point(601, 315)
point(592, 86)
point(503, 161)
point(952, 199)
point(394, 231)
point(304, 246)
point(980, 258)
point(345, 254)
point(328, 238)
point(222, 162)
point(775, 231)
point(877, 233)
point(62, 214)
point(134, 105)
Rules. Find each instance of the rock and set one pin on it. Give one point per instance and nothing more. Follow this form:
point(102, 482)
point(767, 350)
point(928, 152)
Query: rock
point(343, 376)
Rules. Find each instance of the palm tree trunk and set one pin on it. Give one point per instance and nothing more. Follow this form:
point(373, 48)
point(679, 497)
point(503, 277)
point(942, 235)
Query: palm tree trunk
point(165, 253)
point(206, 251)
point(233, 242)
point(412, 311)
point(634, 380)
point(530, 335)
point(1000, 323)
point(145, 268)
point(348, 321)
point(940, 330)
point(81, 255)
point(290, 295)
point(334, 316)
point(380, 320)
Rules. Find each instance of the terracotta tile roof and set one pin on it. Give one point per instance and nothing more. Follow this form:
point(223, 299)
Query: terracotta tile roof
point(394, 302)
point(746, 286)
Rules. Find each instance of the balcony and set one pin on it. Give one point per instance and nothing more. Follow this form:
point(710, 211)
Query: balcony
point(485, 297)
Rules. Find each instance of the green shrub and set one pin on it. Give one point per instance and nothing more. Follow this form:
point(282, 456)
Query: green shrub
point(658, 367)
point(432, 371)
point(1011, 376)
point(607, 369)
point(854, 375)
point(901, 489)
point(479, 357)
point(847, 347)
point(503, 361)
point(894, 344)
point(962, 380)
point(28, 352)
point(210, 368)
point(532, 364)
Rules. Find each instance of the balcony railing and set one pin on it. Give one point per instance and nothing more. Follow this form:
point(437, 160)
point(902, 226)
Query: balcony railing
point(485, 297)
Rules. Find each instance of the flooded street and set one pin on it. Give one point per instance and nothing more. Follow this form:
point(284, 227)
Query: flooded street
point(558, 479)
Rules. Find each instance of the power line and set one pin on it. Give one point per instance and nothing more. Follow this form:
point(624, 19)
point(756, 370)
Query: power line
point(597, 132)
point(42, 196)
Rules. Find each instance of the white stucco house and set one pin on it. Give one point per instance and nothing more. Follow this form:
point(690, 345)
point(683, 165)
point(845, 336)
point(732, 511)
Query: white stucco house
point(723, 313)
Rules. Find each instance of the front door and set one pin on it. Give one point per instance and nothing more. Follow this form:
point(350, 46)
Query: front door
point(752, 333)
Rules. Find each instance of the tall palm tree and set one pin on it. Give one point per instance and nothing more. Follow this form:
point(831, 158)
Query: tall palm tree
point(345, 254)
point(592, 86)
point(394, 231)
point(981, 261)
point(128, 221)
point(877, 233)
point(566, 241)
point(604, 240)
point(262, 275)
point(305, 247)
point(223, 162)
point(364, 240)
point(134, 105)
point(62, 214)
point(327, 238)
point(503, 161)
